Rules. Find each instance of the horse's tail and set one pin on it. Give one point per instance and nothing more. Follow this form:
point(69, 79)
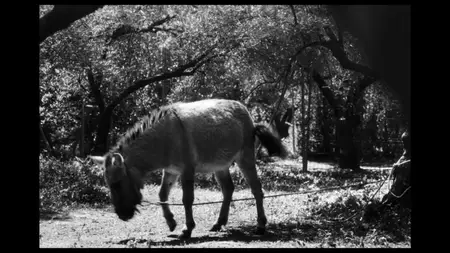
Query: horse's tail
point(270, 141)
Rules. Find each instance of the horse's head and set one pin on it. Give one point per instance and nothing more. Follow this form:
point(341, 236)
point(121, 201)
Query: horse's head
point(124, 183)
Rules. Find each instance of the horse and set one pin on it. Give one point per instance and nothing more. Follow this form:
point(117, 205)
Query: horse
point(182, 139)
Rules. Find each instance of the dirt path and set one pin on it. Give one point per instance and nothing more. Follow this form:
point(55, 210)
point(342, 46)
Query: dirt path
point(292, 223)
point(288, 227)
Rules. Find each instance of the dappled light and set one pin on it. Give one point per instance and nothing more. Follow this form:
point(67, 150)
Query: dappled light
point(310, 115)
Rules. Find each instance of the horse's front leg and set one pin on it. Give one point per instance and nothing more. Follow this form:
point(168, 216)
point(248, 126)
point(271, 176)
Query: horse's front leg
point(187, 184)
point(168, 181)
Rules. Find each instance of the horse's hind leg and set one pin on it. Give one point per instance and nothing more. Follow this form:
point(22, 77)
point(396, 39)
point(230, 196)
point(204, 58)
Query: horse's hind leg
point(224, 179)
point(247, 166)
point(167, 182)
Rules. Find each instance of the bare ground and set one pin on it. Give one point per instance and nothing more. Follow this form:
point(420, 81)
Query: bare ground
point(291, 224)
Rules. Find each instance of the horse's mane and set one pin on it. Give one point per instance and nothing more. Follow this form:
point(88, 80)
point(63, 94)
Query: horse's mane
point(140, 127)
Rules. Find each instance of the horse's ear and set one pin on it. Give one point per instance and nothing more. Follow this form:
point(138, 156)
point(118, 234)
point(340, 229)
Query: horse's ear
point(98, 160)
point(117, 160)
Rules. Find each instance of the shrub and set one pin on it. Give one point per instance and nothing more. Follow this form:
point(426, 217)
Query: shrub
point(69, 182)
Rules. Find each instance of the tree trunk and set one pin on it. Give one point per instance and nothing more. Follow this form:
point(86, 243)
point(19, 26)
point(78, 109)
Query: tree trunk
point(307, 125)
point(348, 153)
point(385, 35)
point(347, 119)
point(303, 129)
point(323, 116)
point(104, 125)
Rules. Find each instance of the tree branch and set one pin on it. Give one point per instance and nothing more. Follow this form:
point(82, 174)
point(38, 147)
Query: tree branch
point(127, 29)
point(178, 72)
point(61, 17)
point(254, 88)
point(283, 92)
point(300, 50)
point(293, 13)
point(341, 56)
point(339, 53)
point(355, 94)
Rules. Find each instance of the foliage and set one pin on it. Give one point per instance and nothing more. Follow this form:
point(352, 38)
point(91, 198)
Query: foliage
point(69, 183)
point(393, 225)
point(254, 46)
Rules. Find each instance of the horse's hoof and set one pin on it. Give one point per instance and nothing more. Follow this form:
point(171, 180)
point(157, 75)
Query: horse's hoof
point(172, 224)
point(216, 228)
point(260, 231)
point(185, 234)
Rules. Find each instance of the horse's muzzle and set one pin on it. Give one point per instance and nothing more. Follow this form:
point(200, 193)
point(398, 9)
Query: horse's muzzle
point(125, 215)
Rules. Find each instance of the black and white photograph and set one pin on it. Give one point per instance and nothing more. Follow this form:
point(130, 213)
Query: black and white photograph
point(224, 126)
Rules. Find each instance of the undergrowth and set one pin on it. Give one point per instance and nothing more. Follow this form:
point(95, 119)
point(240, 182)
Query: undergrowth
point(65, 183)
point(349, 216)
point(355, 213)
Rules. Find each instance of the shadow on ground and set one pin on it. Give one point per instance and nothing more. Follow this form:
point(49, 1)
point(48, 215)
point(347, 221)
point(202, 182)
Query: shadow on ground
point(240, 234)
point(305, 231)
point(313, 231)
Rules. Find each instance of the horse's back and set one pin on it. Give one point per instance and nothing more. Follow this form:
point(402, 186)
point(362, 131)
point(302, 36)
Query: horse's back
point(217, 130)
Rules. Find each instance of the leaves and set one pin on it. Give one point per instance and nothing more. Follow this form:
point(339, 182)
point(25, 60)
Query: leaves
point(256, 53)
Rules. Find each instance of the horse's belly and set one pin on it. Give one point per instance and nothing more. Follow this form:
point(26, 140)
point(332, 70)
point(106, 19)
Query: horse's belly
point(209, 167)
point(201, 168)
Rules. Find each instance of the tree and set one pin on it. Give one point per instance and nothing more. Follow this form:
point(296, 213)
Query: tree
point(115, 49)
point(385, 34)
point(126, 60)
point(344, 107)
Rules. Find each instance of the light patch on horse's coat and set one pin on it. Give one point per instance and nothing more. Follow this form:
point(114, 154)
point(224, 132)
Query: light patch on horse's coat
point(200, 168)
point(208, 167)
point(212, 167)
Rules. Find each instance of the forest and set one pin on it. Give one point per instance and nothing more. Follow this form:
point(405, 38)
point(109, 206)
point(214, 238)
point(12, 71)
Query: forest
point(290, 65)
